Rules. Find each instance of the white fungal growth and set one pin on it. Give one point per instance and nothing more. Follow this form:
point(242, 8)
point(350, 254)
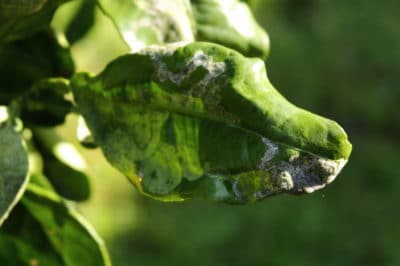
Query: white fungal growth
point(307, 173)
point(198, 60)
point(271, 150)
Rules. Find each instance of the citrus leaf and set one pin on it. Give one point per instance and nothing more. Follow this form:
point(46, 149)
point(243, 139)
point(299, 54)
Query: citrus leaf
point(146, 22)
point(13, 169)
point(232, 24)
point(22, 18)
point(24, 242)
point(204, 121)
point(45, 104)
point(44, 230)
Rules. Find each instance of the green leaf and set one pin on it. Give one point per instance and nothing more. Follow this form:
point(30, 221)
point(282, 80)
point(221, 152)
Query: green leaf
point(23, 63)
point(48, 232)
point(22, 18)
point(232, 24)
point(45, 104)
point(13, 168)
point(227, 22)
point(204, 121)
point(63, 165)
point(144, 22)
point(82, 21)
point(23, 241)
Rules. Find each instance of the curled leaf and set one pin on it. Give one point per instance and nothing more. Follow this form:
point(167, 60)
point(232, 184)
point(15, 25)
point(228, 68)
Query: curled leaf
point(204, 121)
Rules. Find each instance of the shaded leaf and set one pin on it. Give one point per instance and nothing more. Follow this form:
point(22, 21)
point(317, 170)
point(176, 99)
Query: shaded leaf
point(232, 24)
point(204, 121)
point(22, 63)
point(46, 104)
point(146, 22)
point(13, 169)
point(22, 18)
point(44, 230)
point(82, 21)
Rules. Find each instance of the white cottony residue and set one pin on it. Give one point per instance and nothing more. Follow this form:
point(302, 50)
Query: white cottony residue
point(270, 151)
point(301, 172)
point(198, 60)
point(308, 172)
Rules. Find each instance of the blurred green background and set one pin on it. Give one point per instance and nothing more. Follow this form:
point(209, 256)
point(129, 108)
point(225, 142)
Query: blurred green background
point(340, 59)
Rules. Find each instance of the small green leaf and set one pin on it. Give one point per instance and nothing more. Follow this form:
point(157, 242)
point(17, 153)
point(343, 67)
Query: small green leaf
point(230, 23)
point(82, 21)
point(13, 169)
point(24, 242)
point(204, 121)
point(45, 104)
point(144, 22)
point(45, 230)
point(23, 63)
point(22, 18)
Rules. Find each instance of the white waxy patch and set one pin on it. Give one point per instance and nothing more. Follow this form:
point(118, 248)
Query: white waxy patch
point(237, 15)
point(285, 181)
point(198, 60)
point(310, 173)
point(271, 150)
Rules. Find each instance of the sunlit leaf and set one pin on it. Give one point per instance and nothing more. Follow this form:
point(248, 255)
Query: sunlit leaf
point(45, 231)
point(13, 168)
point(230, 23)
point(202, 120)
point(145, 22)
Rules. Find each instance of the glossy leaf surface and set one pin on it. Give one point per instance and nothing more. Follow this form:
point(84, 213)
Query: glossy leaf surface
point(146, 22)
point(230, 23)
point(13, 168)
point(45, 231)
point(227, 22)
point(204, 121)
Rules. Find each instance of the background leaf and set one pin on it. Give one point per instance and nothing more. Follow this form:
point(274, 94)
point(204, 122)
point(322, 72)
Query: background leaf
point(21, 19)
point(45, 231)
point(24, 62)
point(13, 169)
point(232, 24)
point(144, 22)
